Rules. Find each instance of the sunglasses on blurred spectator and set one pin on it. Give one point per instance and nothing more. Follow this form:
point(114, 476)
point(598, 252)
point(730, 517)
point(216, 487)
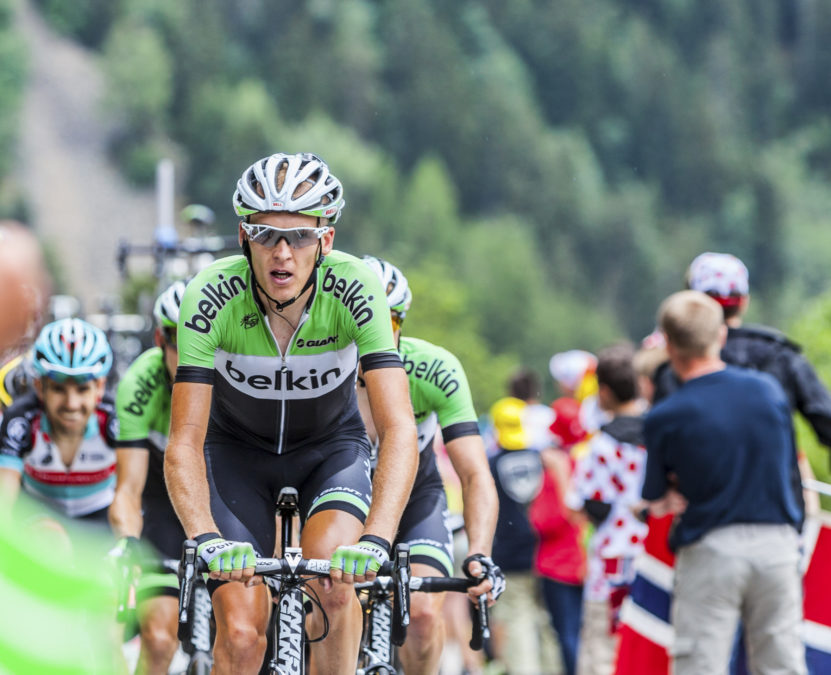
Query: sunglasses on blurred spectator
point(296, 237)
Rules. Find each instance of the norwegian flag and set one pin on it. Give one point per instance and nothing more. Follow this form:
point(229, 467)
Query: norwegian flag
point(646, 633)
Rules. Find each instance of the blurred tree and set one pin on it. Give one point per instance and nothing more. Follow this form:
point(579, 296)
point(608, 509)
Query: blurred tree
point(86, 20)
point(139, 72)
point(441, 314)
point(429, 222)
point(231, 126)
point(12, 82)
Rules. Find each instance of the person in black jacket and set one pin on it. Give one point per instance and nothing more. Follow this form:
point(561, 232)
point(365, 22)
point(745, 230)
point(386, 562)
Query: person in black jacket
point(725, 278)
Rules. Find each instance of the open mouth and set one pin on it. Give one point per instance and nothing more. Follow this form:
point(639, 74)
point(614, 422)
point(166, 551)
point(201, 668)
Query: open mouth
point(280, 275)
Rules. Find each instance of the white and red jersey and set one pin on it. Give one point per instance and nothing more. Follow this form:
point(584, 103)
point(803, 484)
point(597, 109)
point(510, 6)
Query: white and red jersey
point(612, 472)
point(85, 486)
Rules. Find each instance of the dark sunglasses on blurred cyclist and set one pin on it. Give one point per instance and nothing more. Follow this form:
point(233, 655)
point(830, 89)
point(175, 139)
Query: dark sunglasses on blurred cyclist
point(77, 376)
point(397, 320)
point(296, 237)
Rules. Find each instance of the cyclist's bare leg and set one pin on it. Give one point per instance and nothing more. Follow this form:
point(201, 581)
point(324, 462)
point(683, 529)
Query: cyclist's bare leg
point(241, 620)
point(421, 653)
point(159, 620)
point(338, 653)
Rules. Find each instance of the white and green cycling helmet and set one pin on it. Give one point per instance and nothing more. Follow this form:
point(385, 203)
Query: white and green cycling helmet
point(71, 349)
point(399, 295)
point(166, 309)
point(322, 199)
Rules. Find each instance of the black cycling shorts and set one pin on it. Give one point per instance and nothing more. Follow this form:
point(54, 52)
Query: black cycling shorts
point(245, 482)
point(424, 524)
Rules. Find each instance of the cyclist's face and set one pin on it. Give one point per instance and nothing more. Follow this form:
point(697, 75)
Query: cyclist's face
point(281, 269)
point(69, 404)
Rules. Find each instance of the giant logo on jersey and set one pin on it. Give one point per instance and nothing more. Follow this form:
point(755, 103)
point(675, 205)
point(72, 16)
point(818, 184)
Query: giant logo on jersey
point(301, 376)
point(349, 293)
point(436, 373)
point(216, 297)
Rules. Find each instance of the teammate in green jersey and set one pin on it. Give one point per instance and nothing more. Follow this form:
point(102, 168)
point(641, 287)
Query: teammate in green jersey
point(269, 345)
point(141, 508)
point(441, 399)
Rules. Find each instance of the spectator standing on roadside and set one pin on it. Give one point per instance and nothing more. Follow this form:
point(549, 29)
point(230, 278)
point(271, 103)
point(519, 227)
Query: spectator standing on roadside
point(560, 558)
point(523, 639)
point(726, 437)
point(725, 278)
point(607, 482)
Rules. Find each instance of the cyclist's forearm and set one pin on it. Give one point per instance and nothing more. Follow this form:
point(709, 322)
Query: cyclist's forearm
point(394, 476)
point(184, 472)
point(125, 515)
point(480, 511)
point(9, 489)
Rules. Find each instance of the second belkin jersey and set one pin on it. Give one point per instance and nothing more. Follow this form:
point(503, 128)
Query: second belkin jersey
point(440, 396)
point(278, 401)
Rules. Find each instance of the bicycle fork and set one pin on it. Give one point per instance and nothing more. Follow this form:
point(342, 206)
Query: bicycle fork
point(288, 633)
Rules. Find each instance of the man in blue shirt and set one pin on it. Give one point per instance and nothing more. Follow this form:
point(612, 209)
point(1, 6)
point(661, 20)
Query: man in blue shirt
point(725, 441)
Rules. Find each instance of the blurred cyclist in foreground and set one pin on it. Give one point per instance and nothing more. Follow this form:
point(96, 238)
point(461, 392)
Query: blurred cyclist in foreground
point(56, 603)
point(141, 508)
point(58, 440)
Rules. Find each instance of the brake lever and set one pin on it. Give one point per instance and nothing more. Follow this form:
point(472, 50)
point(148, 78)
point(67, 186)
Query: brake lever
point(187, 575)
point(401, 586)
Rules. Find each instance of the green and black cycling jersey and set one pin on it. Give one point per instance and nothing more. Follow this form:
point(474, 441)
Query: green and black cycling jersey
point(143, 402)
point(441, 397)
point(271, 400)
point(439, 392)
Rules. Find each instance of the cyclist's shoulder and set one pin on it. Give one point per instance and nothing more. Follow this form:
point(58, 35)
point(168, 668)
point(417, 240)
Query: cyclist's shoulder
point(149, 360)
point(347, 287)
point(105, 413)
point(223, 279)
point(217, 295)
point(418, 349)
point(432, 368)
point(17, 424)
point(419, 355)
point(27, 406)
point(763, 337)
point(340, 269)
point(144, 377)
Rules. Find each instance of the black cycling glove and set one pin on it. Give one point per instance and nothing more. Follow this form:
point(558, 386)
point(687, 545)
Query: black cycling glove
point(490, 570)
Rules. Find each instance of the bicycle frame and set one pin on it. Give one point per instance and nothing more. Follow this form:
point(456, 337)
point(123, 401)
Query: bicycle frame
point(377, 642)
point(384, 628)
point(289, 657)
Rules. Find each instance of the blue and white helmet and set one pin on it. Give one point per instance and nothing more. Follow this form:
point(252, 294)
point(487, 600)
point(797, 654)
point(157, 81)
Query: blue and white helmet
point(71, 349)
point(394, 283)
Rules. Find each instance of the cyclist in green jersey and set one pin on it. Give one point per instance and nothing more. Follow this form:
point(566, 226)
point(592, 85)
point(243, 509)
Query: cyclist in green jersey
point(141, 507)
point(441, 399)
point(269, 345)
